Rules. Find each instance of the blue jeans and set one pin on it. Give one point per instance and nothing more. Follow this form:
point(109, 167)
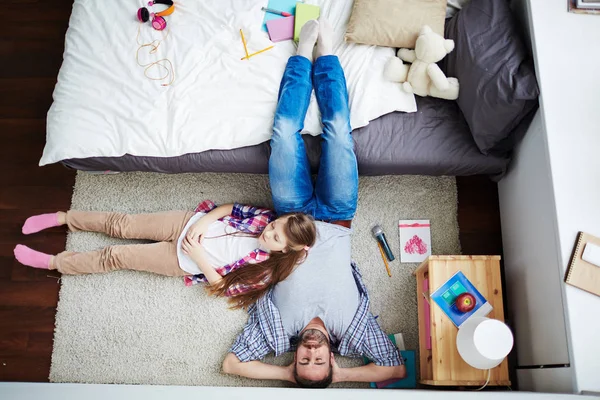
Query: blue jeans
point(334, 195)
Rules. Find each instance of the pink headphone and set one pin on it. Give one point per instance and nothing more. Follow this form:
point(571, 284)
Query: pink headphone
point(158, 21)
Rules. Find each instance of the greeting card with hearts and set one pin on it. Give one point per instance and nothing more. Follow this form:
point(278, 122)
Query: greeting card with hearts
point(415, 240)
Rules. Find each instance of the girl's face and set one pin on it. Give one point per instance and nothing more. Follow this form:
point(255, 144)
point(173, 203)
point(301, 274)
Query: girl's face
point(273, 237)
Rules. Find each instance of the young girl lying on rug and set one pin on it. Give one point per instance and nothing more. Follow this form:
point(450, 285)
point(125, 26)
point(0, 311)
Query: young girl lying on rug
point(241, 251)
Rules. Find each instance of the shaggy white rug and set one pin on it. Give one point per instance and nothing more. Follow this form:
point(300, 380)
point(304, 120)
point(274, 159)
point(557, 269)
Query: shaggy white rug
point(139, 328)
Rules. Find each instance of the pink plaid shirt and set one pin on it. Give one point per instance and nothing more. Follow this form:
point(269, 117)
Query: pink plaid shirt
point(247, 219)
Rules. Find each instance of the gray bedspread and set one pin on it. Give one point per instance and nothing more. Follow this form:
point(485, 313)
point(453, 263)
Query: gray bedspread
point(433, 141)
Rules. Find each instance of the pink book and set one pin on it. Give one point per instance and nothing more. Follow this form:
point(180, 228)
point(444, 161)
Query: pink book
point(427, 314)
point(281, 29)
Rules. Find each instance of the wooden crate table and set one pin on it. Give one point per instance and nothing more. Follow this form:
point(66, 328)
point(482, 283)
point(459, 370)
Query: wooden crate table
point(442, 365)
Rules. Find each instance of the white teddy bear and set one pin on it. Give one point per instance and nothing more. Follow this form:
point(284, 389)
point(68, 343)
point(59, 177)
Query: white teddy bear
point(424, 77)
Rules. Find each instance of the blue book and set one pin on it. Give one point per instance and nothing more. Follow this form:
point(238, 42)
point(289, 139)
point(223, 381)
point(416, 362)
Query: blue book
point(279, 5)
point(445, 298)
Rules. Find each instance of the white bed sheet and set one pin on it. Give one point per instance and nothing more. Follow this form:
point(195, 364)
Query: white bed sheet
point(105, 106)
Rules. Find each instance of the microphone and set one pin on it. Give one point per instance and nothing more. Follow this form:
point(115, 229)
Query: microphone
point(380, 236)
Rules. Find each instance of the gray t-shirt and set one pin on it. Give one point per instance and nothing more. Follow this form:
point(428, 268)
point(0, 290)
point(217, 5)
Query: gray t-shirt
point(322, 286)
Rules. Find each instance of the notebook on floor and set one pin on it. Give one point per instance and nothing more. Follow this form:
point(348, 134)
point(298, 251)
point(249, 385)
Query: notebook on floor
point(415, 240)
point(584, 268)
point(410, 380)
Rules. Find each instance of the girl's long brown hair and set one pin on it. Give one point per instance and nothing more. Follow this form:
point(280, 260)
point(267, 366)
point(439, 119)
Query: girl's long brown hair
point(300, 231)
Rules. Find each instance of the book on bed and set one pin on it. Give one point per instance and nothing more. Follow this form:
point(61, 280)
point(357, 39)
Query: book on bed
point(281, 29)
point(279, 5)
point(304, 13)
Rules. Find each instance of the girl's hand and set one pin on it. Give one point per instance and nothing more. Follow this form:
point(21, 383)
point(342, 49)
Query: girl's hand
point(193, 249)
point(196, 230)
point(198, 254)
point(202, 225)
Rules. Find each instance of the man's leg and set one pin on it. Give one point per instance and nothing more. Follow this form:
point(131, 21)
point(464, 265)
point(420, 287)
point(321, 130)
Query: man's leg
point(289, 169)
point(337, 183)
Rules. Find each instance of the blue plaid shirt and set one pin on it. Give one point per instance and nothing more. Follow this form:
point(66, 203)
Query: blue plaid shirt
point(264, 333)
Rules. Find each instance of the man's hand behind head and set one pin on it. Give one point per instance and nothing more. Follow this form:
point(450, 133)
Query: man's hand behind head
point(337, 372)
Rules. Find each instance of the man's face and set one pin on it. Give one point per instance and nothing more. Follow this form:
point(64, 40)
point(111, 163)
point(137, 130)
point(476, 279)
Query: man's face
point(313, 355)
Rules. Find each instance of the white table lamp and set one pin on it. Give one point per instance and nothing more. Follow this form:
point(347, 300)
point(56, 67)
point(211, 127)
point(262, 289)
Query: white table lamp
point(483, 342)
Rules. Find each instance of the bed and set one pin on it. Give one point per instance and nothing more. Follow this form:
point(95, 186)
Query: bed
point(433, 141)
point(217, 114)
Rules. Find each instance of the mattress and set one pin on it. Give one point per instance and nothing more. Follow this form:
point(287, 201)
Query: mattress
point(105, 106)
point(433, 141)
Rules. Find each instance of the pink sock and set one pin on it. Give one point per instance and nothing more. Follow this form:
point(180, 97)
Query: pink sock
point(40, 222)
point(32, 258)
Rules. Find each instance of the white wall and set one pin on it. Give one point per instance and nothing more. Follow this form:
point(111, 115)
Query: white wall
point(56, 391)
point(548, 380)
point(567, 47)
point(556, 176)
point(531, 261)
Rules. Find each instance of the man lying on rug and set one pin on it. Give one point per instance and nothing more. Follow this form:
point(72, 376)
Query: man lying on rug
point(322, 306)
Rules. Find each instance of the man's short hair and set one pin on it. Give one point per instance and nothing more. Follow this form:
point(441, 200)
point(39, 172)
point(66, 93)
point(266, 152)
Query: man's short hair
point(309, 384)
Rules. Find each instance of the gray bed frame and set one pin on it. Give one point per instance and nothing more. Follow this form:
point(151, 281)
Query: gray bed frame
point(435, 140)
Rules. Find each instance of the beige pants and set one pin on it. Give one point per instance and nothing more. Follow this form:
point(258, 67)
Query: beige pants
point(160, 257)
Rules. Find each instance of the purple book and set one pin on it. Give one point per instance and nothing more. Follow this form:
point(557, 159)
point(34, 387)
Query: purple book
point(281, 29)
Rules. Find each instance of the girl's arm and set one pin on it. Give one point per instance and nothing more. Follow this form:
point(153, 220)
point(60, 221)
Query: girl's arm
point(197, 253)
point(203, 223)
